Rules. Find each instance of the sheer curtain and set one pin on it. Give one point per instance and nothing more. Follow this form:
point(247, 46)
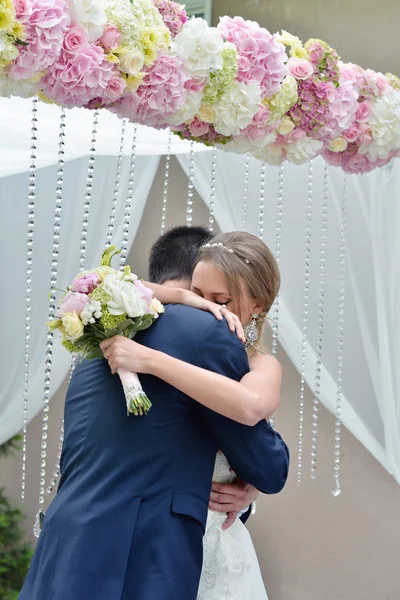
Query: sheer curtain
point(371, 375)
point(13, 234)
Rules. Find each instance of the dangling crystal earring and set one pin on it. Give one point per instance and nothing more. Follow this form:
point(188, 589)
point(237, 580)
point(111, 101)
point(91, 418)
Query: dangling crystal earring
point(251, 332)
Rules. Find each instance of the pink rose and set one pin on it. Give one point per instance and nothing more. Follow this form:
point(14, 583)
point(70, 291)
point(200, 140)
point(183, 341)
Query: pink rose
point(75, 40)
point(86, 284)
point(23, 10)
point(363, 111)
point(300, 68)
point(115, 88)
point(111, 37)
point(198, 128)
point(352, 133)
point(73, 302)
point(244, 64)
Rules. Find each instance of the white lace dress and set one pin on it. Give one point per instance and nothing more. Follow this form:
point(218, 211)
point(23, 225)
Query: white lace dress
point(230, 566)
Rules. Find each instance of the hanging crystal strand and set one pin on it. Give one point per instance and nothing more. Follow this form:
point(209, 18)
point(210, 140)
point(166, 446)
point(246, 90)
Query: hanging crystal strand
point(88, 195)
point(52, 309)
point(166, 182)
point(339, 373)
point(128, 202)
point(28, 272)
point(262, 201)
point(111, 220)
point(212, 190)
point(278, 236)
point(305, 320)
point(189, 205)
point(321, 306)
point(56, 471)
point(85, 221)
point(246, 191)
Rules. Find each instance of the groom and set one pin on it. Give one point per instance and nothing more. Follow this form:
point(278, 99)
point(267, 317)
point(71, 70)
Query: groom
point(129, 516)
point(172, 260)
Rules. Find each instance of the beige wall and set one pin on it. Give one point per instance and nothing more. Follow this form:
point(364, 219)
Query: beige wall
point(361, 31)
point(311, 546)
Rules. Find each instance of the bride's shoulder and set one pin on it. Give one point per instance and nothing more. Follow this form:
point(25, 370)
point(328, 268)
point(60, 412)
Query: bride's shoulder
point(263, 361)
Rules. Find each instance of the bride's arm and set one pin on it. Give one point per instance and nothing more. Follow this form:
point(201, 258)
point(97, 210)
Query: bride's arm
point(254, 398)
point(167, 295)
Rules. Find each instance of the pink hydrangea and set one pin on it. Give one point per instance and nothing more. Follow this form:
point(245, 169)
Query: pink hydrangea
point(258, 128)
point(351, 161)
point(324, 58)
point(161, 93)
point(75, 79)
point(211, 138)
point(45, 24)
point(73, 302)
point(311, 111)
point(174, 15)
point(261, 57)
point(86, 283)
point(342, 111)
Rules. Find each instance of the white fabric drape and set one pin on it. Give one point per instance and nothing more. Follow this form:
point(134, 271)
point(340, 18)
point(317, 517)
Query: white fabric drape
point(13, 232)
point(371, 377)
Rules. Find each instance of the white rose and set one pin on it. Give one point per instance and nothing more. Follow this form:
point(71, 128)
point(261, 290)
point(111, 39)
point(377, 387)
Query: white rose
point(156, 307)
point(90, 14)
point(286, 126)
point(237, 107)
point(131, 61)
point(339, 144)
point(199, 47)
point(125, 297)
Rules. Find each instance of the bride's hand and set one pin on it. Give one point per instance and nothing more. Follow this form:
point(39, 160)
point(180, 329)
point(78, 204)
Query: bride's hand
point(219, 312)
point(123, 353)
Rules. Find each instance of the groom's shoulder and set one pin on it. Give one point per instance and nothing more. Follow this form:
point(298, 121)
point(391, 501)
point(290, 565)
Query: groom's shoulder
point(197, 324)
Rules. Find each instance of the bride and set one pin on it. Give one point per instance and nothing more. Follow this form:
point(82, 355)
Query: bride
point(235, 274)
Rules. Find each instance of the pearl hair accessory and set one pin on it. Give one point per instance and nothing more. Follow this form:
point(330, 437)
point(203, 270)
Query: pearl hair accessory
point(221, 245)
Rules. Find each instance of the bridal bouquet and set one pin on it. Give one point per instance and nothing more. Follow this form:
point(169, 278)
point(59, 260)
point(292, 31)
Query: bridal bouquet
point(100, 304)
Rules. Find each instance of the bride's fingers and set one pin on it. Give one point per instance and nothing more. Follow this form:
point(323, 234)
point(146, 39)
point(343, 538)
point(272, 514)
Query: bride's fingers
point(230, 519)
point(240, 330)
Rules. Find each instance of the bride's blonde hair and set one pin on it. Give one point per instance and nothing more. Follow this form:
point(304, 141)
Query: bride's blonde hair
point(245, 258)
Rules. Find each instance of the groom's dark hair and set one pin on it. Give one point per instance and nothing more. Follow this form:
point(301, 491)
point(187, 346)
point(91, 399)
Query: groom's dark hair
point(174, 254)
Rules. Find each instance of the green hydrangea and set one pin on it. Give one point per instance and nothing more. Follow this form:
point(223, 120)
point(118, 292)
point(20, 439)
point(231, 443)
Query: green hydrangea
point(110, 321)
point(284, 99)
point(393, 80)
point(222, 79)
point(68, 345)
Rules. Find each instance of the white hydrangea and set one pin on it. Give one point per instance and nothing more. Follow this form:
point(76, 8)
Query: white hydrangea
point(132, 18)
point(91, 14)
point(271, 155)
point(385, 126)
point(242, 144)
point(188, 111)
point(24, 88)
point(237, 107)
point(303, 150)
point(91, 311)
point(125, 297)
point(199, 47)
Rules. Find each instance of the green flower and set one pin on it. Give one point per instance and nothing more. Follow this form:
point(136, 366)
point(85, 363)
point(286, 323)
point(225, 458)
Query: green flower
point(109, 321)
point(393, 80)
point(222, 79)
point(284, 99)
point(68, 345)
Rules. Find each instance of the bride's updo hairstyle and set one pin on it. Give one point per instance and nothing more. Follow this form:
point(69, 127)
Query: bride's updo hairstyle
point(245, 260)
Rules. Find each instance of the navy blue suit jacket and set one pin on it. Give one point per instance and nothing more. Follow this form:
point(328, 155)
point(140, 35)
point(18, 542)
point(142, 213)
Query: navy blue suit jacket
point(129, 516)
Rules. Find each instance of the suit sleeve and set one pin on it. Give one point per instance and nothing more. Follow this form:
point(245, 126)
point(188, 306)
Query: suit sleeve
point(256, 454)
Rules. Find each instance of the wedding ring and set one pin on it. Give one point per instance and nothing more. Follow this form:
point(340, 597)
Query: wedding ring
point(223, 307)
